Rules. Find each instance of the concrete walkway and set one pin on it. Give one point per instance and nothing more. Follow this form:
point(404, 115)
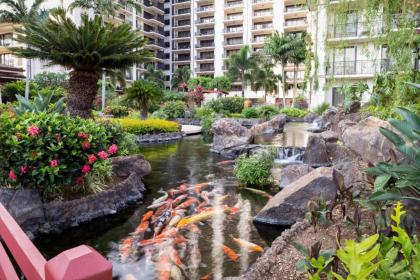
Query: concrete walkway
point(191, 129)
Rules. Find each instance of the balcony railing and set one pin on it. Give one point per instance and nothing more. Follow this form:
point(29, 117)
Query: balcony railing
point(183, 35)
point(204, 45)
point(359, 67)
point(186, 58)
point(259, 39)
point(234, 17)
point(204, 57)
point(293, 22)
point(205, 9)
point(183, 12)
point(234, 4)
point(182, 47)
point(234, 30)
point(261, 1)
point(205, 33)
point(233, 42)
point(263, 13)
point(298, 8)
point(204, 69)
point(182, 23)
point(203, 21)
point(356, 29)
point(262, 26)
point(151, 4)
point(180, 1)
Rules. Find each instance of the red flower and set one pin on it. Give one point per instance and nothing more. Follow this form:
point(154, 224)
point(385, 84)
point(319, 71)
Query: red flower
point(12, 175)
point(85, 145)
point(91, 159)
point(54, 163)
point(102, 155)
point(33, 130)
point(113, 149)
point(23, 169)
point(79, 180)
point(86, 168)
point(82, 135)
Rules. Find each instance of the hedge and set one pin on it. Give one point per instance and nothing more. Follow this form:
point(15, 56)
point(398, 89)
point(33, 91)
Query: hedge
point(149, 126)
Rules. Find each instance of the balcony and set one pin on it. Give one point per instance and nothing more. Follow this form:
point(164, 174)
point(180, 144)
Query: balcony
point(358, 67)
point(262, 26)
point(233, 42)
point(260, 39)
point(180, 1)
point(234, 17)
point(205, 9)
point(182, 23)
point(205, 21)
point(154, 6)
point(205, 45)
point(205, 33)
point(263, 13)
point(234, 4)
point(182, 58)
point(182, 12)
point(261, 1)
point(205, 57)
point(352, 30)
point(234, 30)
point(205, 69)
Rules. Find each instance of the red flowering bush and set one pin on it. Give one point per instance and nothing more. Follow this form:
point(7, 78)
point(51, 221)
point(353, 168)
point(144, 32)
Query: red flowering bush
point(53, 152)
point(196, 96)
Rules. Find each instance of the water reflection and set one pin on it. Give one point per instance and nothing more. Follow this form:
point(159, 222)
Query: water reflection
point(294, 135)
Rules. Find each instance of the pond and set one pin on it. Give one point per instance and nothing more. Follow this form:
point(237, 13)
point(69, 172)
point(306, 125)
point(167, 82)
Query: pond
point(187, 162)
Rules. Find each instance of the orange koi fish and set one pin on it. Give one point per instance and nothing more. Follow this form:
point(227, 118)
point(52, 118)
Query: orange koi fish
point(190, 201)
point(181, 189)
point(230, 253)
point(205, 277)
point(179, 199)
point(251, 247)
point(199, 187)
point(142, 227)
point(147, 216)
point(226, 162)
point(176, 259)
point(125, 248)
point(163, 267)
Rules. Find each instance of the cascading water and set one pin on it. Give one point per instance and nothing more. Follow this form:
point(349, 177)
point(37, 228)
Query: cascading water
point(316, 126)
point(288, 155)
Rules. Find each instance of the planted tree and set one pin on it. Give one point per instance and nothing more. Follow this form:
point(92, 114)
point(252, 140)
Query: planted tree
point(87, 49)
point(142, 94)
point(156, 76)
point(180, 77)
point(264, 78)
point(297, 56)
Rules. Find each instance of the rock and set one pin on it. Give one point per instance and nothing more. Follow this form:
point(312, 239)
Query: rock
point(290, 204)
point(249, 122)
point(310, 117)
point(276, 124)
point(316, 151)
point(343, 125)
point(339, 153)
point(292, 172)
point(365, 140)
point(228, 134)
point(328, 116)
point(354, 107)
point(127, 165)
point(329, 136)
point(353, 176)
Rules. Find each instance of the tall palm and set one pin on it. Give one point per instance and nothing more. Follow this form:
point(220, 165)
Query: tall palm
point(17, 12)
point(239, 66)
point(154, 75)
point(297, 56)
point(279, 48)
point(181, 76)
point(264, 78)
point(86, 49)
point(142, 94)
point(104, 7)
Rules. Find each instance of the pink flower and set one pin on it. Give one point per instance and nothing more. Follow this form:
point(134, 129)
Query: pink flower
point(102, 155)
point(85, 145)
point(33, 130)
point(113, 149)
point(23, 169)
point(12, 175)
point(91, 159)
point(79, 180)
point(82, 135)
point(86, 168)
point(54, 163)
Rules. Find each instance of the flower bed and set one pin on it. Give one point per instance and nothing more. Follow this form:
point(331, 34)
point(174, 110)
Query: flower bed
point(150, 126)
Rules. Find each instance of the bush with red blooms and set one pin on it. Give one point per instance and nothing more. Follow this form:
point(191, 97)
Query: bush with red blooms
point(196, 96)
point(53, 152)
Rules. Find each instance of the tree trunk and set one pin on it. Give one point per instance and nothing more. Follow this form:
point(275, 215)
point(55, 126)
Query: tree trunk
point(294, 84)
point(28, 78)
point(284, 87)
point(83, 88)
point(143, 112)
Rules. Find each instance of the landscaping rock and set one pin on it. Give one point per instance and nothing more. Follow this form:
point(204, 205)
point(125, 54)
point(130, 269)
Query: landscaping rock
point(310, 117)
point(292, 172)
point(343, 125)
point(228, 134)
point(365, 140)
point(249, 122)
point(329, 136)
point(316, 151)
point(328, 117)
point(276, 124)
point(353, 176)
point(160, 137)
point(339, 153)
point(290, 204)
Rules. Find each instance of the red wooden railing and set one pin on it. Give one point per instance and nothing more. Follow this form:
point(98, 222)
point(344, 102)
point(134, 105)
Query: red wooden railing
point(79, 263)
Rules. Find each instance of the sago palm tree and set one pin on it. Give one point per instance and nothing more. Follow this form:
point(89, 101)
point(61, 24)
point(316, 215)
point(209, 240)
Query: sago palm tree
point(157, 76)
point(17, 11)
point(279, 48)
point(87, 50)
point(264, 78)
point(142, 94)
point(181, 76)
point(239, 66)
point(297, 56)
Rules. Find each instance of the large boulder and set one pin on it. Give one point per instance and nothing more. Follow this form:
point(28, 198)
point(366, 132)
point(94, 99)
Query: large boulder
point(328, 117)
point(310, 117)
point(291, 173)
point(316, 151)
point(228, 134)
point(329, 136)
point(276, 124)
point(290, 204)
point(365, 140)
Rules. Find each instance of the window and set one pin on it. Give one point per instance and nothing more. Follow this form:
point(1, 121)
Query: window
point(337, 96)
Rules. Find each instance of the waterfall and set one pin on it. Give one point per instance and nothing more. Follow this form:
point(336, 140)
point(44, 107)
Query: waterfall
point(316, 126)
point(287, 155)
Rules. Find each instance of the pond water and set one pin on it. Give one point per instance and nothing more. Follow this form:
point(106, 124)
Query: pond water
point(185, 162)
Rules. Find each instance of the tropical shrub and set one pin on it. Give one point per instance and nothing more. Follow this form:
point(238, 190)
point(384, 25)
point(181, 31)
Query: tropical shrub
point(301, 102)
point(396, 180)
point(294, 112)
point(117, 111)
point(267, 111)
point(173, 96)
point(353, 94)
point(41, 103)
point(204, 82)
point(321, 108)
point(233, 104)
point(174, 109)
point(47, 79)
point(53, 152)
point(196, 96)
point(96, 180)
point(57, 92)
point(148, 126)
point(12, 89)
point(142, 94)
point(255, 170)
point(250, 113)
point(221, 83)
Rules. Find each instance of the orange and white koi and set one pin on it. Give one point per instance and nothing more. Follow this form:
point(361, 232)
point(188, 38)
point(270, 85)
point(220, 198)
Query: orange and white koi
point(147, 216)
point(235, 208)
point(163, 267)
point(176, 259)
point(199, 187)
point(142, 227)
point(260, 192)
point(179, 199)
point(125, 248)
point(230, 253)
point(181, 189)
point(225, 162)
point(251, 247)
point(176, 217)
point(190, 201)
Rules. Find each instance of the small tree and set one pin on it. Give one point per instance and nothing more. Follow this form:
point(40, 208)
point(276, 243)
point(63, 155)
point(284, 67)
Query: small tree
point(142, 94)
point(180, 77)
point(154, 75)
point(221, 83)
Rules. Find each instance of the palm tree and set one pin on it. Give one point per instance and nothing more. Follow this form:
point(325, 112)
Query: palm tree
point(17, 13)
point(142, 94)
point(279, 48)
point(297, 56)
point(239, 66)
point(86, 49)
point(264, 78)
point(154, 75)
point(181, 76)
point(104, 7)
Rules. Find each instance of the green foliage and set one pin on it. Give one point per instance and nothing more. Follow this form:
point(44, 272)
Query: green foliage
point(294, 112)
point(229, 104)
point(142, 94)
point(47, 79)
point(154, 75)
point(267, 111)
point(41, 103)
point(353, 93)
point(250, 113)
point(117, 111)
point(181, 77)
point(31, 142)
point(396, 180)
point(321, 108)
point(204, 82)
point(96, 180)
point(174, 109)
point(148, 126)
point(255, 170)
point(208, 116)
point(12, 89)
point(318, 211)
point(221, 83)
point(169, 95)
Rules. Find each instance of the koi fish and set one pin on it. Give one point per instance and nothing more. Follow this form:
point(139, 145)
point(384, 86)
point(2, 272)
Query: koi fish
point(190, 201)
point(125, 248)
point(223, 198)
point(230, 253)
point(205, 196)
point(194, 228)
point(159, 212)
point(142, 227)
point(162, 198)
point(156, 205)
point(226, 162)
point(176, 273)
point(147, 216)
point(260, 192)
point(179, 199)
point(181, 189)
point(162, 221)
point(235, 208)
point(205, 277)
point(201, 206)
point(205, 215)
point(176, 259)
point(248, 245)
point(175, 219)
point(163, 267)
point(199, 187)
point(167, 233)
